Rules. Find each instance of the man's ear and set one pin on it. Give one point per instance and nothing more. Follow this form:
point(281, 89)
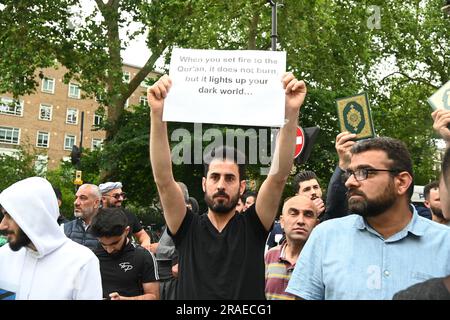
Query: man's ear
point(403, 182)
point(426, 203)
point(204, 184)
point(242, 186)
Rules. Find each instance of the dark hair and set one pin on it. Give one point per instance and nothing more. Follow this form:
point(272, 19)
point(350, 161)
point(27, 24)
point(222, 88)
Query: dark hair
point(109, 222)
point(226, 153)
point(445, 167)
point(58, 193)
point(304, 175)
point(428, 187)
point(194, 203)
point(248, 194)
point(395, 150)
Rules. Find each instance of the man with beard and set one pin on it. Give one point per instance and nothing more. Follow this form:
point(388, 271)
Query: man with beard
point(87, 202)
point(432, 201)
point(385, 246)
point(112, 197)
point(40, 262)
point(221, 253)
point(129, 272)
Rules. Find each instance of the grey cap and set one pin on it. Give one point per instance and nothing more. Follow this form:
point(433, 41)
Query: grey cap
point(108, 186)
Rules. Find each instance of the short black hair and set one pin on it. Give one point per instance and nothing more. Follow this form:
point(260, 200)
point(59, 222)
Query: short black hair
point(395, 150)
point(249, 194)
point(304, 175)
point(109, 222)
point(428, 187)
point(226, 153)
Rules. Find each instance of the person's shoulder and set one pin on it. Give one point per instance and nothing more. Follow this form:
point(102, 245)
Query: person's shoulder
point(433, 227)
point(274, 251)
point(78, 250)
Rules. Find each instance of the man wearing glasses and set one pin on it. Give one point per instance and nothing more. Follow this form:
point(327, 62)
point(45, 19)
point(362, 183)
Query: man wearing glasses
point(112, 197)
point(385, 246)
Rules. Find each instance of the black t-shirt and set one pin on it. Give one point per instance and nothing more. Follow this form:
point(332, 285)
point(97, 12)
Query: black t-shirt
point(126, 273)
point(133, 222)
point(225, 265)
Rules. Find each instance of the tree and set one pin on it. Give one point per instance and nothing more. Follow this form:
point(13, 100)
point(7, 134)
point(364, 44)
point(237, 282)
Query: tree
point(330, 44)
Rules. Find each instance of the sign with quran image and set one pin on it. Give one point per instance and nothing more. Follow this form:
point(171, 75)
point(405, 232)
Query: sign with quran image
point(441, 98)
point(354, 116)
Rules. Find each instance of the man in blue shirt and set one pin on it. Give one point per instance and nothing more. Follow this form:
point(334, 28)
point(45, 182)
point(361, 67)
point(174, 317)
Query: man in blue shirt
point(385, 246)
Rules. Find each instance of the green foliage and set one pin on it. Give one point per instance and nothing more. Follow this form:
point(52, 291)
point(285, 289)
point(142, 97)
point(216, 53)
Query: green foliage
point(16, 167)
point(328, 43)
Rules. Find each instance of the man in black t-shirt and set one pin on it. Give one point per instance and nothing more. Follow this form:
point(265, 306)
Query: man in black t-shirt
point(128, 272)
point(112, 197)
point(221, 253)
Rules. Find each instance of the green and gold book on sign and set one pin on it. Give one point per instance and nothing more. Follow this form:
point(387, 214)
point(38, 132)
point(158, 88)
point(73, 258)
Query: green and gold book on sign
point(354, 116)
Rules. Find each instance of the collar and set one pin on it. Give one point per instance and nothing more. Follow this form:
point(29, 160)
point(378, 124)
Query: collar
point(415, 227)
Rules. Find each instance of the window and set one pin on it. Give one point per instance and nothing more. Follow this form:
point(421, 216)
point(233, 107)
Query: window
point(45, 112)
point(72, 116)
point(69, 141)
point(42, 139)
point(96, 144)
point(48, 85)
point(97, 120)
point(11, 106)
point(126, 77)
point(143, 100)
point(9, 135)
point(74, 91)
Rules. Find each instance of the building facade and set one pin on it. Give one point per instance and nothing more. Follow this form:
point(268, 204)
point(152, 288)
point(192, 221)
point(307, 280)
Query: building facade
point(50, 119)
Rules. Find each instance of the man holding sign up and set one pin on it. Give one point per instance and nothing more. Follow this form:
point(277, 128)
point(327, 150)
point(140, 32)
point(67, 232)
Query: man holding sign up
point(221, 253)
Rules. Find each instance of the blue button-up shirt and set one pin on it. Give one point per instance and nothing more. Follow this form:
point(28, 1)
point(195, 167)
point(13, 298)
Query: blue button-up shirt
point(347, 259)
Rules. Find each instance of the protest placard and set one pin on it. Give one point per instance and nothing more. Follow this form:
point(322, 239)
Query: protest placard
point(237, 87)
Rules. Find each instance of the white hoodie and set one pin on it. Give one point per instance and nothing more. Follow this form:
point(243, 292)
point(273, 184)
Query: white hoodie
point(60, 268)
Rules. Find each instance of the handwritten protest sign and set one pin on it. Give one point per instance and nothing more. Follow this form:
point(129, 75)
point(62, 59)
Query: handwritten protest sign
point(226, 87)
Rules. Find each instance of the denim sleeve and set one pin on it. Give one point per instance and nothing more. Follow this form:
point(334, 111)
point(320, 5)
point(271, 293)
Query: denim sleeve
point(336, 204)
point(307, 279)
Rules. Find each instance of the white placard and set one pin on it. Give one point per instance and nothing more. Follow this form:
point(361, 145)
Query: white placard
point(441, 98)
point(238, 87)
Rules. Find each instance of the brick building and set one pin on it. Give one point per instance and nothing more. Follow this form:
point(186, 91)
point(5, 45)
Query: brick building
point(50, 119)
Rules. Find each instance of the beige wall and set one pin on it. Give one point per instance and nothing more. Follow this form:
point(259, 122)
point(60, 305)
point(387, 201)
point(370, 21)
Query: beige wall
point(29, 123)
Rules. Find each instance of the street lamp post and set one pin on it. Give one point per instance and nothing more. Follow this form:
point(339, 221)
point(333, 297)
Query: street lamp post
point(274, 35)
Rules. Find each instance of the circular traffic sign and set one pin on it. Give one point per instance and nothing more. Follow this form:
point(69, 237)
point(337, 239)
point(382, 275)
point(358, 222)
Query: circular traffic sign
point(299, 142)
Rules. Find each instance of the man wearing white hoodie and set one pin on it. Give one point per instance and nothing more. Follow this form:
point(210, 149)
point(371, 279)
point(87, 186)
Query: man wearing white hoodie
point(40, 262)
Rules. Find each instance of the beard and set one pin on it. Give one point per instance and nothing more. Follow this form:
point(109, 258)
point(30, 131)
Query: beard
point(437, 212)
point(371, 207)
point(21, 241)
point(222, 206)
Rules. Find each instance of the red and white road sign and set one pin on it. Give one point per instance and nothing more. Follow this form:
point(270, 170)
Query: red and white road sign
point(300, 142)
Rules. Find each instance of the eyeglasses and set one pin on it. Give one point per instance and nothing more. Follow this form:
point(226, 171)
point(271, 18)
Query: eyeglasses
point(362, 174)
point(117, 195)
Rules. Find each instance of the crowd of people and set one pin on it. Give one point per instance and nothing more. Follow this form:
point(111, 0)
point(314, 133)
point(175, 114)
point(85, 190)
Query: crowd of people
point(365, 240)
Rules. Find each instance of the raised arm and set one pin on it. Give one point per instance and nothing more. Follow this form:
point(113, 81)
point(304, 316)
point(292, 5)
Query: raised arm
point(336, 191)
point(170, 194)
point(269, 194)
point(441, 123)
